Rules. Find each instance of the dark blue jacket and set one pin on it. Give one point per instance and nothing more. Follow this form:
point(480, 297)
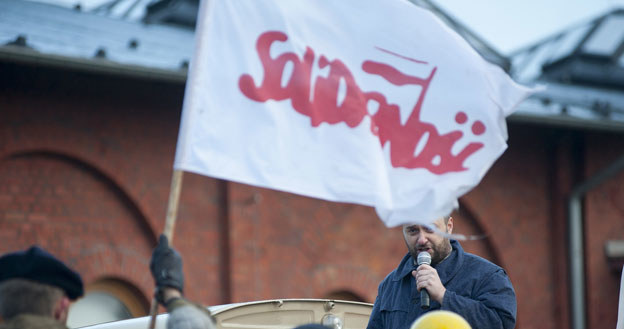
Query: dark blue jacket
point(476, 289)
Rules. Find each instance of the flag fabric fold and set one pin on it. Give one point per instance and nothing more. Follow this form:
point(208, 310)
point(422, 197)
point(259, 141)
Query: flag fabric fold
point(363, 101)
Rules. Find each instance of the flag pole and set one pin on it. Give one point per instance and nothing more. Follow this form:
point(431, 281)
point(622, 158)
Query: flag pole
point(172, 211)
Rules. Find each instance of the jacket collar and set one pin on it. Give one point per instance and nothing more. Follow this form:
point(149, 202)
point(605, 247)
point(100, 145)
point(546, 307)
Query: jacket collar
point(447, 269)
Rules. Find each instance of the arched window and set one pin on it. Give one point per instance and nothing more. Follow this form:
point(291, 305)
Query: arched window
point(107, 300)
point(344, 295)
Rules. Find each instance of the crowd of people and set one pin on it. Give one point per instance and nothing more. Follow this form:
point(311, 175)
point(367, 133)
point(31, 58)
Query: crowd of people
point(36, 289)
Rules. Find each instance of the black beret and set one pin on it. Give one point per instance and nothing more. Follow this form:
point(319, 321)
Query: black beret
point(38, 265)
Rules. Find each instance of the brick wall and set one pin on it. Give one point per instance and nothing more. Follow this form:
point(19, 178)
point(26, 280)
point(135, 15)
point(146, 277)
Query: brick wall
point(604, 220)
point(97, 155)
point(85, 168)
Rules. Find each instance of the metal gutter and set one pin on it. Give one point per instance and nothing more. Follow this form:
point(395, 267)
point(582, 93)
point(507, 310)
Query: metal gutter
point(567, 121)
point(575, 237)
point(25, 55)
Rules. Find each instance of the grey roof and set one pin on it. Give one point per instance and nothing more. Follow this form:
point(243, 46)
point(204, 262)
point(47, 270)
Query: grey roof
point(177, 12)
point(67, 37)
point(582, 69)
point(63, 36)
point(131, 10)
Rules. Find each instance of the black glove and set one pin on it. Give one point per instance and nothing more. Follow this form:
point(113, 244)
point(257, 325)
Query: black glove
point(166, 266)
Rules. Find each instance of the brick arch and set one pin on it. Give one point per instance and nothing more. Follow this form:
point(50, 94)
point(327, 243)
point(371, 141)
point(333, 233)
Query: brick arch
point(344, 295)
point(126, 291)
point(93, 308)
point(471, 224)
point(124, 197)
point(76, 212)
point(358, 281)
point(131, 268)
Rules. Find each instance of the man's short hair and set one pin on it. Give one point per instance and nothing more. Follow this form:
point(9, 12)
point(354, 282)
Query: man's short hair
point(19, 296)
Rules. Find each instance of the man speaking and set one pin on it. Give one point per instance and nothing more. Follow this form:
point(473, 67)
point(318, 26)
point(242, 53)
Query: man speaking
point(456, 281)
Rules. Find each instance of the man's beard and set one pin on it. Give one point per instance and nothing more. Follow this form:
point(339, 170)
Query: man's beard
point(438, 252)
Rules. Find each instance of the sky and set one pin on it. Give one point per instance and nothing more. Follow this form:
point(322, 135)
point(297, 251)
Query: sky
point(507, 25)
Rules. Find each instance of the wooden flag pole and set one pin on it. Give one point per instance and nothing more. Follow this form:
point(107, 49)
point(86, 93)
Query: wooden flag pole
point(172, 207)
point(172, 212)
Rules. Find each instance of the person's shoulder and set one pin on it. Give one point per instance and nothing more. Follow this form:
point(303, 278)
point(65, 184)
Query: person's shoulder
point(190, 316)
point(487, 275)
point(484, 265)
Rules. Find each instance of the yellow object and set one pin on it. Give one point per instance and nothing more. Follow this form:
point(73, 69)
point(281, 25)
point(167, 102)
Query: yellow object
point(440, 320)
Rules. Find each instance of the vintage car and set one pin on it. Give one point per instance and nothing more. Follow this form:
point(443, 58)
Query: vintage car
point(274, 314)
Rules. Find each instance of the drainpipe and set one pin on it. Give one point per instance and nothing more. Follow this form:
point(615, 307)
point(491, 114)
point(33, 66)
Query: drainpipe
point(575, 240)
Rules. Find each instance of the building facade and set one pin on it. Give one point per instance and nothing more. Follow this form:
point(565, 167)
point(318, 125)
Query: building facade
point(86, 151)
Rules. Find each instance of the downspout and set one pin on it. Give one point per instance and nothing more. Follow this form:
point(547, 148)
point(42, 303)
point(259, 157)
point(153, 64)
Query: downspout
point(225, 256)
point(575, 240)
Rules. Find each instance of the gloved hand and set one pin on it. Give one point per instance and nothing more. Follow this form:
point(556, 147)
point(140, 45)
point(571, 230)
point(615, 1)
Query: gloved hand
point(166, 266)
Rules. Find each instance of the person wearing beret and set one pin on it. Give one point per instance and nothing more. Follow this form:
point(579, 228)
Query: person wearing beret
point(166, 268)
point(36, 290)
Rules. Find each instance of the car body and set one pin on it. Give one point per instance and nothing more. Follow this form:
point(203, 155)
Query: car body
point(274, 314)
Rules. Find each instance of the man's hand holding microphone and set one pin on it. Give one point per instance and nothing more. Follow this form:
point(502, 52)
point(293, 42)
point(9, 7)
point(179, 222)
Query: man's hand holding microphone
point(427, 281)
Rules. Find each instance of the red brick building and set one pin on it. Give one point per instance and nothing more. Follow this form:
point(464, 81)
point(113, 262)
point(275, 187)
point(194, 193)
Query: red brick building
point(86, 153)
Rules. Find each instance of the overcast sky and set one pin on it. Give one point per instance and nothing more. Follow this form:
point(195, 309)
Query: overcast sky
point(507, 25)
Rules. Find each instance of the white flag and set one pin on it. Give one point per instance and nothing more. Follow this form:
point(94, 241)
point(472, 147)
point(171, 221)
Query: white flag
point(364, 101)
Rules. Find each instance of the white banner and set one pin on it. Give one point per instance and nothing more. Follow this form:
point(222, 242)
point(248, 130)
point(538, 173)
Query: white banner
point(364, 101)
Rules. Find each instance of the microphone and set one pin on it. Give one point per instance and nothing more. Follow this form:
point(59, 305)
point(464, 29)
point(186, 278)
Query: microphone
point(424, 258)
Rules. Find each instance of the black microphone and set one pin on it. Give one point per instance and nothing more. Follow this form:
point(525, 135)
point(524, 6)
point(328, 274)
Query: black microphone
point(424, 258)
